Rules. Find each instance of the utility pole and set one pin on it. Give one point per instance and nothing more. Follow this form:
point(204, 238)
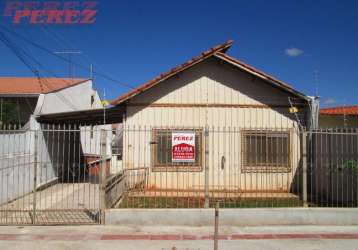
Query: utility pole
point(1, 104)
point(69, 53)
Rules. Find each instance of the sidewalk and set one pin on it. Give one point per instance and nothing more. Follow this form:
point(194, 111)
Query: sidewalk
point(117, 237)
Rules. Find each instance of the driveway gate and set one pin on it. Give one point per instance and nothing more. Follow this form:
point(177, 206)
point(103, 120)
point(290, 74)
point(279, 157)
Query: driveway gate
point(47, 176)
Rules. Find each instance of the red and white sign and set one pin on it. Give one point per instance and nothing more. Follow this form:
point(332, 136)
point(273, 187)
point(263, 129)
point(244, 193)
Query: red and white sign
point(183, 147)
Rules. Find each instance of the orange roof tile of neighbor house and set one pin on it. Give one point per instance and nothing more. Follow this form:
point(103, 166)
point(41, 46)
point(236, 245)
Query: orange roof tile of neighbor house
point(34, 85)
point(347, 110)
point(219, 52)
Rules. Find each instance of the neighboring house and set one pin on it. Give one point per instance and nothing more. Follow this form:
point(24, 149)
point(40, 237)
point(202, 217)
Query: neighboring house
point(253, 122)
point(33, 96)
point(339, 117)
point(21, 101)
point(27, 98)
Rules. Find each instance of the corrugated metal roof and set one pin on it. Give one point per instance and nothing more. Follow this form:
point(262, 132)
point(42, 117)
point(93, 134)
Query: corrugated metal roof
point(347, 110)
point(219, 52)
point(88, 116)
point(33, 85)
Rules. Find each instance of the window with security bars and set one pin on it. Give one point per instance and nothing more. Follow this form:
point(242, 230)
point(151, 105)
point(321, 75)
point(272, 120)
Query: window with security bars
point(162, 151)
point(267, 151)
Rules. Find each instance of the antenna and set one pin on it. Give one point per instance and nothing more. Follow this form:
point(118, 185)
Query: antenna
point(344, 114)
point(69, 53)
point(316, 81)
point(91, 71)
point(104, 106)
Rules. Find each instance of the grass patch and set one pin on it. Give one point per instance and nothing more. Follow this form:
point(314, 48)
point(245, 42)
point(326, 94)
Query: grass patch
point(198, 202)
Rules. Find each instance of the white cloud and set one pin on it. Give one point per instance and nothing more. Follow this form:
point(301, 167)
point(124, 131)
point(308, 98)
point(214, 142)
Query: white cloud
point(293, 52)
point(330, 101)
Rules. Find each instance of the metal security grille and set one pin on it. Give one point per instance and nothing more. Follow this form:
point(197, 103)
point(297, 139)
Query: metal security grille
point(49, 176)
point(241, 168)
point(69, 174)
point(237, 167)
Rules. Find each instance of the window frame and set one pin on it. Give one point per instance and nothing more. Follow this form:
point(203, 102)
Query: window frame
point(265, 167)
point(176, 167)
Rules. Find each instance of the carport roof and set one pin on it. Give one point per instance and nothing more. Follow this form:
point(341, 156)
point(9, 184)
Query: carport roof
point(89, 116)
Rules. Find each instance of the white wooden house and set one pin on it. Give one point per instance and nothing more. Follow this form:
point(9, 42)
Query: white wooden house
point(243, 127)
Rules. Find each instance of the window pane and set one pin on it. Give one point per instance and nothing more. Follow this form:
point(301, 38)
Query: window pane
point(163, 149)
point(256, 149)
point(266, 149)
point(278, 152)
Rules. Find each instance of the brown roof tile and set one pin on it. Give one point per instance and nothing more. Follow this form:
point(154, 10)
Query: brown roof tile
point(219, 48)
point(219, 52)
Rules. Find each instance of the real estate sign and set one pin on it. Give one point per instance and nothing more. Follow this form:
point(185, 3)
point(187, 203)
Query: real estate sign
point(183, 147)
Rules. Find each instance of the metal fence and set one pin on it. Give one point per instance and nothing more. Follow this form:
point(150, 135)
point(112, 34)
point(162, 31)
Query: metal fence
point(333, 168)
point(68, 174)
point(52, 175)
point(235, 166)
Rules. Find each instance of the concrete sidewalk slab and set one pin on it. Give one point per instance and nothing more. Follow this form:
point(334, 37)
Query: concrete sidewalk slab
point(151, 232)
point(234, 217)
point(150, 238)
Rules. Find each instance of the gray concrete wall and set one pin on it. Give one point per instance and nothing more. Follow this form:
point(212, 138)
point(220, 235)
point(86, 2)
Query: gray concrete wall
point(16, 164)
point(233, 217)
point(17, 158)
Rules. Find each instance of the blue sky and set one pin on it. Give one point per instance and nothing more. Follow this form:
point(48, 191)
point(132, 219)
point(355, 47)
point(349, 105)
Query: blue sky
point(133, 41)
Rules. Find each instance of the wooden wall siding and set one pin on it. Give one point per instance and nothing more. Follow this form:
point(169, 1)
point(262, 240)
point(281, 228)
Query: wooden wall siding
point(237, 101)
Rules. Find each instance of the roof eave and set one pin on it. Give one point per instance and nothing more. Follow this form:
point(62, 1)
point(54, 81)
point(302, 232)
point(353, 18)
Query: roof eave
point(192, 62)
point(19, 94)
point(271, 81)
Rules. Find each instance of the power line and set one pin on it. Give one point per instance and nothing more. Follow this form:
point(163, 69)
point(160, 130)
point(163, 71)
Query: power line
point(21, 54)
point(56, 36)
point(64, 58)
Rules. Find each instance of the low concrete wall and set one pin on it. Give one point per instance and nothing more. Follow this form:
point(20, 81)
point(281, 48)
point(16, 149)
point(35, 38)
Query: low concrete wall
point(233, 217)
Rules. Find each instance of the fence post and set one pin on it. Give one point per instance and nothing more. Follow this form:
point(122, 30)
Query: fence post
point(304, 168)
point(35, 177)
point(103, 174)
point(206, 138)
point(216, 230)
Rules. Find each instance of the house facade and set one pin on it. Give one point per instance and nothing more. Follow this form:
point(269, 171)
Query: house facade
point(214, 122)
